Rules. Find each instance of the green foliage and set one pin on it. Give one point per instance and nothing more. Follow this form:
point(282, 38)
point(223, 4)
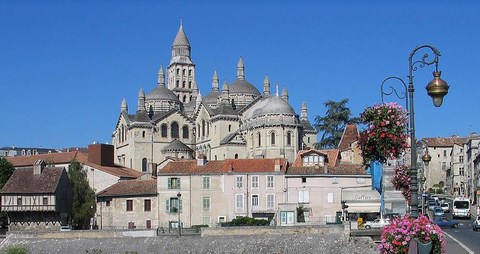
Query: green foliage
point(333, 123)
point(245, 221)
point(16, 250)
point(83, 203)
point(6, 170)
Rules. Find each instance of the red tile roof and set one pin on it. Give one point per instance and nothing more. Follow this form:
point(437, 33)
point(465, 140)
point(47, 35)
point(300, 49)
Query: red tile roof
point(350, 135)
point(333, 167)
point(225, 166)
point(55, 158)
point(23, 181)
point(446, 142)
point(66, 158)
point(130, 188)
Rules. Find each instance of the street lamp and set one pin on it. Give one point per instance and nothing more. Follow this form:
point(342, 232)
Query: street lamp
point(179, 195)
point(437, 89)
point(426, 158)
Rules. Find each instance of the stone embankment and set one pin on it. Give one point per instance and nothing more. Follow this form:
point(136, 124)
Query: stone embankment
point(232, 240)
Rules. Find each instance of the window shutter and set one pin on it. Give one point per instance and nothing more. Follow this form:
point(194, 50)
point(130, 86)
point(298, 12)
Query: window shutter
point(307, 197)
point(169, 183)
point(300, 196)
point(167, 205)
point(178, 182)
point(180, 205)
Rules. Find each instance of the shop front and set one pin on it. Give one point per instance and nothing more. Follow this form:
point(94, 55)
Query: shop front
point(363, 204)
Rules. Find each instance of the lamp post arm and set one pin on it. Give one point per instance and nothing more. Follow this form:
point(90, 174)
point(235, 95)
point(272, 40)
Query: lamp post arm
point(393, 90)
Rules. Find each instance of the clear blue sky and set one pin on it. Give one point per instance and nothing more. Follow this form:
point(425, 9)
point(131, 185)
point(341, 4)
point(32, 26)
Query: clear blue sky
point(66, 65)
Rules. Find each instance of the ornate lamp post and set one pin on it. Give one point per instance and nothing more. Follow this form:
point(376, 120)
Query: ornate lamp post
point(437, 89)
point(426, 158)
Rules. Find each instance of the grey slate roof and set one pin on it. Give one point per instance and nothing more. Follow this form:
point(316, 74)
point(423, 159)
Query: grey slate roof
point(212, 97)
point(274, 105)
point(176, 146)
point(142, 116)
point(162, 93)
point(181, 38)
point(240, 86)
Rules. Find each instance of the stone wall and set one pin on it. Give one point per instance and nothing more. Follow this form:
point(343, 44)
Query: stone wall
point(329, 239)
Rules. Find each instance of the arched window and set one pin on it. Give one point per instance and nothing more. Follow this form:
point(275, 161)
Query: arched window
point(183, 84)
point(208, 128)
point(190, 84)
point(198, 130)
point(184, 72)
point(229, 128)
point(203, 127)
point(236, 156)
point(144, 165)
point(184, 98)
point(259, 139)
point(174, 130)
point(178, 71)
point(190, 73)
point(289, 138)
point(185, 131)
point(178, 83)
point(272, 138)
point(29, 152)
point(163, 130)
point(143, 134)
point(23, 152)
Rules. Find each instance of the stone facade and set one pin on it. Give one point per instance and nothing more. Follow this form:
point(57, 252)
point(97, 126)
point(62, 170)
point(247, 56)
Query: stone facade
point(235, 122)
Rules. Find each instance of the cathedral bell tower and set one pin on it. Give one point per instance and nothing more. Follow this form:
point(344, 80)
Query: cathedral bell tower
point(181, 70)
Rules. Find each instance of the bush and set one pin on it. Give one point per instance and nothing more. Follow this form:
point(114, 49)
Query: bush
point(16, 250)
point(245, 221)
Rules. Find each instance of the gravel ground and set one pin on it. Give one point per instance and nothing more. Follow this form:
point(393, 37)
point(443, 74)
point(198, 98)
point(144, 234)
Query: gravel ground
point(311, 243)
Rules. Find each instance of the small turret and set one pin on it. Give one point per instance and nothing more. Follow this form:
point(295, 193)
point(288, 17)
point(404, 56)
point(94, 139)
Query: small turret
point(240, 70)
point(303, 112)
point(215, 81)
point(276, 89)
point(161, 77)
point(285, 94)
point(124, 106)
point(266, 86)
point(141, 100)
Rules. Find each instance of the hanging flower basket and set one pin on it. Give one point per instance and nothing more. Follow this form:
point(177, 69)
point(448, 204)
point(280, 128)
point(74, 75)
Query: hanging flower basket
point(385, 136)
point(397, 236)
point(401, 180)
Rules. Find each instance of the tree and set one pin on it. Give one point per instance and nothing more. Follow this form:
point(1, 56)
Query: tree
point(83, 203)
point(6, 170)
point(333, 123)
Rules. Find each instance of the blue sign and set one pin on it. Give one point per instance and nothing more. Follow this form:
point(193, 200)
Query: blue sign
point(376, 171)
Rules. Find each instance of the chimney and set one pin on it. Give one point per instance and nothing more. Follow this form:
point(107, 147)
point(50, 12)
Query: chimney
point(152, 169)
point(38, 167)
point(101, 154)
point(277, 165)
point(201, 160)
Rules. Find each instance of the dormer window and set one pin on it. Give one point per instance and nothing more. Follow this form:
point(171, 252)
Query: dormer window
point(313, 160)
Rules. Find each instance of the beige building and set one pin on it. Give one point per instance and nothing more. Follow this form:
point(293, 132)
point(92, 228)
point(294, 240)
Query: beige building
point(208, 193)
point(129, 204)
point(236, 121)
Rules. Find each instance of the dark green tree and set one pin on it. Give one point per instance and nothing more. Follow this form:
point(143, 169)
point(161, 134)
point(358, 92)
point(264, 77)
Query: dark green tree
point(83, 203)
point(333, 123)
point(6, 170)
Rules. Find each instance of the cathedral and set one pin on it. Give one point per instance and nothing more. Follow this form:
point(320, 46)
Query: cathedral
point(174, 120)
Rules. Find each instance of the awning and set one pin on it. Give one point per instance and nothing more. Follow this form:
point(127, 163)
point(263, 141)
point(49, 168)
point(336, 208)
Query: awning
point(363, 207)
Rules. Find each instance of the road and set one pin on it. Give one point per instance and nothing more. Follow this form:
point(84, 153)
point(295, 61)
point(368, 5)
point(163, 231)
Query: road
point(464, 234)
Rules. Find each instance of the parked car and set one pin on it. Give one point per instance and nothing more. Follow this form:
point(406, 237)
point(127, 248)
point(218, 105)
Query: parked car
point(432, 204)
point(438, 211)
point(445, 207)
point(377, 223)
point(476, 223)
point(444, 222)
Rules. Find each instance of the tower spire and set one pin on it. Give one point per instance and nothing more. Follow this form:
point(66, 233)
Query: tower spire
point(285, 94)
point(124, 106)
point(141, 100)
point(266, 86)
point(161, 77)
point(240, 70)
point(303, 112)
point(215, 81)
